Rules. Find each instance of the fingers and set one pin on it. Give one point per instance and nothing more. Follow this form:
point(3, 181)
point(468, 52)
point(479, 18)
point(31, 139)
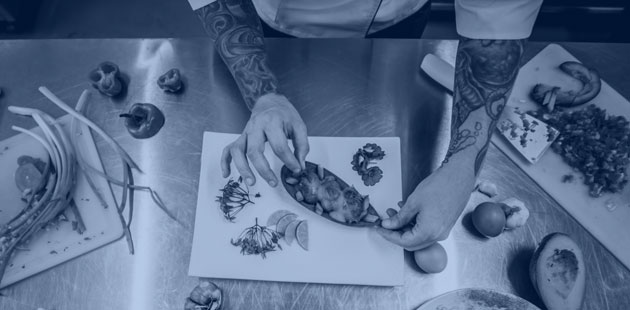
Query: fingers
point(402, 218)
point(226, 159)
point(278, 141)
point(300, 143)
point(237, 153)
point(255, 153)
point(409, 238)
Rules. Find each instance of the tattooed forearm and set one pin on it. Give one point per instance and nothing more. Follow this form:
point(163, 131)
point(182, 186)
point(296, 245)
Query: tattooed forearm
point(235, 28)
point(485, 71)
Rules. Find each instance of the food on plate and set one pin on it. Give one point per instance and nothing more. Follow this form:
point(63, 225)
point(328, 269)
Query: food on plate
point(337, 201)
point(432, 259)
point(365, 156)
point(171, 81)
point(205, 296)
point(106, 78)
point(234, 198)
point(550, 96)
point(594, 143)
point(489, 218)
point(143, 120)
point(558, 273)
point(257, 240)
point(516, 213)
point(289, 227)
point(487, 188)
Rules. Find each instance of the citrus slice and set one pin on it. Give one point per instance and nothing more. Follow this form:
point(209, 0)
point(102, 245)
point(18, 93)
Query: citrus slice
point(301, 234)
point(284, 222)
point(276, 216)
point(289, 233)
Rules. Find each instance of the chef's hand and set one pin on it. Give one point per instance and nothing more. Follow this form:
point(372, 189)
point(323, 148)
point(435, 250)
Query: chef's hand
point(432, 209)
point(273, 119)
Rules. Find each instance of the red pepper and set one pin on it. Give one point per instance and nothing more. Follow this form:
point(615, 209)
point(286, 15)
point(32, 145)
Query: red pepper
point(144, 120)
point(106, 78)
point(170, 81)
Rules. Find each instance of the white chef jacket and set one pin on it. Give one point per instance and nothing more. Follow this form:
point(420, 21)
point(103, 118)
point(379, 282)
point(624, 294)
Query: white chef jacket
point(476, 19)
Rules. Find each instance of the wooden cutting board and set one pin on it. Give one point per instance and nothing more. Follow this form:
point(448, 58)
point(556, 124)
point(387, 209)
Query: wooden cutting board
point(336, 254)
point(58, 243)
point(606, 217)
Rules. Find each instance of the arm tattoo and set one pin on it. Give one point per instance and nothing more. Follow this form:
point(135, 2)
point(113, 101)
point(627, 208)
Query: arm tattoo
point(485, 71)
point(235, 28)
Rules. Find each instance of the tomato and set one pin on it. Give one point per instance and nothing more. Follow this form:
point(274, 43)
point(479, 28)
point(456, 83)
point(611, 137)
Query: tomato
point(432, 259)
point(489, 219)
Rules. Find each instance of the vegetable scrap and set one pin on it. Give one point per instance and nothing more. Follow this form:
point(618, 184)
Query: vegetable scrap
point(516, 213)
point(205, 296)
point(171, 81)
point(144, 120)
point(365, 156)
point(551, 96)
point(233, 198)
point(106, 78)
point(594, 143)
point(487, 188)
point(257, 240)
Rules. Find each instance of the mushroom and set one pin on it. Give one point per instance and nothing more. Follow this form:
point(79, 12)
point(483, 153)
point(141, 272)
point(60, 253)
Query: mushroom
point(550, 96)
point(106, 78)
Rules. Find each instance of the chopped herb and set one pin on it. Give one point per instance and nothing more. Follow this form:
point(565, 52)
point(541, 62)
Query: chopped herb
point(362, 158)
point(233, 199)
point(257, 195)
point(257, 240)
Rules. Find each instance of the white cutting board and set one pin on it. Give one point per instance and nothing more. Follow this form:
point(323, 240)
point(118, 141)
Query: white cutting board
point(608, 226)
point(337, 254)
point(59, 244)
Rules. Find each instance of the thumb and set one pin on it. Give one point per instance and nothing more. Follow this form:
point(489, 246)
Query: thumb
point(401, 219)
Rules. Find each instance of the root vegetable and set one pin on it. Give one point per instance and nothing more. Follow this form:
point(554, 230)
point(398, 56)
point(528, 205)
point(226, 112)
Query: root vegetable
point(489, 219)
point(516, 213)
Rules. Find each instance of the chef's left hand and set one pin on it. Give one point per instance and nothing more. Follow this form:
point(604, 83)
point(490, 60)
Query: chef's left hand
point(435, 206)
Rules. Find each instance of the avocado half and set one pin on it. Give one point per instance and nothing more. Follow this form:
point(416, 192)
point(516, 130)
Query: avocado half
point(557, 272)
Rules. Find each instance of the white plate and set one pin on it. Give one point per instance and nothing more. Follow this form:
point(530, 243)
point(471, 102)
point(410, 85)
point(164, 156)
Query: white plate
point(477, 299)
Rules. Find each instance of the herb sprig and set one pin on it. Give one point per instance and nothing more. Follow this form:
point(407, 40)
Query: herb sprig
point(233, 199)
point(365, 156)
point(257, 240)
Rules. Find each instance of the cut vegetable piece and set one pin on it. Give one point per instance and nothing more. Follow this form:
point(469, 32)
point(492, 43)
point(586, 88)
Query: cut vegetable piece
point(371, 218)
point(290, 231)
point(558, 273)
point(291, 180)
point(284, 222)
point(301, 234)
point(276, 216)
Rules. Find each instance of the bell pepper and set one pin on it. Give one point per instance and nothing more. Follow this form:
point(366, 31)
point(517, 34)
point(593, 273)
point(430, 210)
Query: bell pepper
point(171, 81)
point(106, 78)
point(144, 120)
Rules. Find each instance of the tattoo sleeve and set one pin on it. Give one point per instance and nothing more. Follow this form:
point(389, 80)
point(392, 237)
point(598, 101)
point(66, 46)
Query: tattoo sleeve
point(485, 71)
point(235, 28)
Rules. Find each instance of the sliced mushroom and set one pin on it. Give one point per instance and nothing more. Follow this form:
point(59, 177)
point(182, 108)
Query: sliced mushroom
point(106, 79)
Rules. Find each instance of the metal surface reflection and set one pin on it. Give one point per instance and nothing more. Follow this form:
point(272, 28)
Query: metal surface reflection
point(341, 88)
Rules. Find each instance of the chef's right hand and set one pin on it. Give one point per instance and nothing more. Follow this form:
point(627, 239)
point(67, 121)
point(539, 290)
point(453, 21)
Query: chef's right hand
point(273, 119)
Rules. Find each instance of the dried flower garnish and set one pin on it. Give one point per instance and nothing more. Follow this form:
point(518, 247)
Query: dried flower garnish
point(365, 156)
point(257, 240)
point(233, 199)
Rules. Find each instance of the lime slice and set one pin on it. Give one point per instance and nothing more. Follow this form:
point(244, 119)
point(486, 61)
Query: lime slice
point(289, 233)
point(276, 216)
point(284, 222)
point(301, 234)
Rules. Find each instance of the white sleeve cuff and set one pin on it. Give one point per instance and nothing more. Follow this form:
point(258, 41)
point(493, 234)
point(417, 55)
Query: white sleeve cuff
point(197, 4)
point(496, 19)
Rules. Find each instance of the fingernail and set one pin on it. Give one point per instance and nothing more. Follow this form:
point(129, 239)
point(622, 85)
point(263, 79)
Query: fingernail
point(273, 183)
point(249, 181)
point(297, 170)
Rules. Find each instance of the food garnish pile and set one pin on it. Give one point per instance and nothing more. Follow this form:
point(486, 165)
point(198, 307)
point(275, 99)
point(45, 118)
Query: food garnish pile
point(324, 193)
point(364, 157)
point(594, 143)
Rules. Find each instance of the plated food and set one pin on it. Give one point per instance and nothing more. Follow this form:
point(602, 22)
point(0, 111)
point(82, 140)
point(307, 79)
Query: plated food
point(322, 192)
point(478, 299)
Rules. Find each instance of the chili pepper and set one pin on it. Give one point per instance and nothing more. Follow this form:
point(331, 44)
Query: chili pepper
point(171, 81)
point(144, 120)
point(106, 78)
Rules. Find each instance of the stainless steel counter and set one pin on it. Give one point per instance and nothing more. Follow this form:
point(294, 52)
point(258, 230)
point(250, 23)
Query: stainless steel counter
point(341, 88)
